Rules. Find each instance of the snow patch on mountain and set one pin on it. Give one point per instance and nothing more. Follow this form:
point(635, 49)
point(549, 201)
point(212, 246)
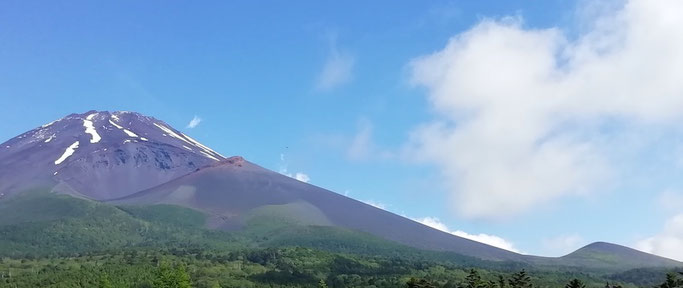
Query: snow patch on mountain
point(209, 155)
point(90, 128)
point(207, 149)
point(130, 133)
point(68, 152)
point(115, 125)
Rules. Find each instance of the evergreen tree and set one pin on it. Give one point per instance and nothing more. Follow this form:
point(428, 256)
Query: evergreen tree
point(520, 280)
point(473, 280)
point(671, 281)
point(322, 284)
point(501, 282)
point(576, 283)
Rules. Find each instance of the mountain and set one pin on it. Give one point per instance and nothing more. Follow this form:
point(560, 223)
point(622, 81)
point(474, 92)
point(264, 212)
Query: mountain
point(99, 155)
point(230, 189)
point(121, 160)
point(609, 256)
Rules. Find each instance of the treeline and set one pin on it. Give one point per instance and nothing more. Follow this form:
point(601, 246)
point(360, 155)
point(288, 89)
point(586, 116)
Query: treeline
point(281, 267)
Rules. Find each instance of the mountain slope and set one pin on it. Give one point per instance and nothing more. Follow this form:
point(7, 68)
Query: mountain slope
point(230, 189)
point(610, 256)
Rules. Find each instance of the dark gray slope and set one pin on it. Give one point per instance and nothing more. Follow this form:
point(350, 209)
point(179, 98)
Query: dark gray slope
point(233, 188)
point(117, 154)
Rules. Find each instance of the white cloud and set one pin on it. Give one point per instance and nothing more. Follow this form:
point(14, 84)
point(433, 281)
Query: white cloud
point(376, 204)
point(667, 243)
point(302, 177)
point(519, 111)
point(362, 145)
point(194, 122)
point(563, 244)
point(338, 69)
point(482, 238)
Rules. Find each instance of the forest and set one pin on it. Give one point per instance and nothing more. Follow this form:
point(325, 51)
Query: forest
point(59, 241)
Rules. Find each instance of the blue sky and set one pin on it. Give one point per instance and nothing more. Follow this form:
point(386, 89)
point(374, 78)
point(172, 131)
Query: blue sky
point(435, 110)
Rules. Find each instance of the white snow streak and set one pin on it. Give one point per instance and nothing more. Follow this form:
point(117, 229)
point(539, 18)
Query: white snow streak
point(209, 155)
point(202, 146)
point(188, 148)
point(128, 132)
point(90, 129)
point(50, 138)
point(115, 125)
point(173, 134)
point(68, 152)
point(48, 124)
point(131, 134)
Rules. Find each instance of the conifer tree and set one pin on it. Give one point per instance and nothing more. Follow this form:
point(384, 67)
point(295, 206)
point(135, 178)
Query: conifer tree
point(520, 280)
point(575, 283)
point(473, 280)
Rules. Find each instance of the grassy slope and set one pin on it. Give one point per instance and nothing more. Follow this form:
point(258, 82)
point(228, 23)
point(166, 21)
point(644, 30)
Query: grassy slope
point(40, 224)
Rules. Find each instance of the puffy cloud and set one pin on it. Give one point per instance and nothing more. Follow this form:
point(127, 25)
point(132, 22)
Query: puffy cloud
point(668, 243)
point(519, 112)
point(482, 238)
point(194, 122)
point(302, 177)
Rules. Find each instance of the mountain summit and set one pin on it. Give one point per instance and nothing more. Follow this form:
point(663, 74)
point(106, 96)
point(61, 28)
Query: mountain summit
point(100, 155)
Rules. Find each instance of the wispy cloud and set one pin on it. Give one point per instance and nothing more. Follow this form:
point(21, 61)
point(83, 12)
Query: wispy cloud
point(362, 145)
point(376, 204)
point(337, 70)
point(194, 122)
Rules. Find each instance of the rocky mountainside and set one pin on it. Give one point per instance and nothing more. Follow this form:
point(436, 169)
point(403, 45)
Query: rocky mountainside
point(99, 155)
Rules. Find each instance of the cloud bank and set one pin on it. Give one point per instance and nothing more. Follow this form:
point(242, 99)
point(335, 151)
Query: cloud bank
point(669, 242)
point(520, 113)
point(482, 238)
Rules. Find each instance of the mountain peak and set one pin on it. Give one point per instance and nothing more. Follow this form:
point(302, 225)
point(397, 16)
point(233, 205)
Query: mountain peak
point(107, 146)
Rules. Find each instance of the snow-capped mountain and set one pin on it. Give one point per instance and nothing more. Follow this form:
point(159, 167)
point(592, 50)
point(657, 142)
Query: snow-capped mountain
point(100, 155)
point(125, 158)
